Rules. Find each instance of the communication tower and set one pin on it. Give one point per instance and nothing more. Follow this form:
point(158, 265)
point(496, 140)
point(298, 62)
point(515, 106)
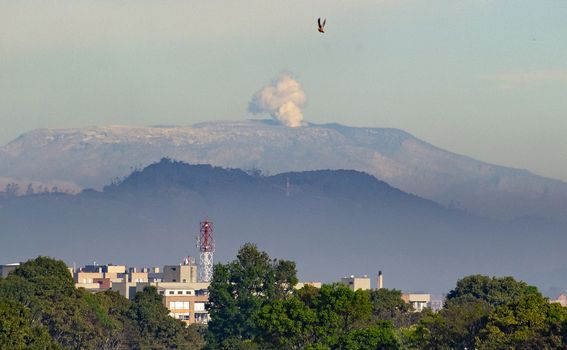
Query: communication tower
point(206, 246)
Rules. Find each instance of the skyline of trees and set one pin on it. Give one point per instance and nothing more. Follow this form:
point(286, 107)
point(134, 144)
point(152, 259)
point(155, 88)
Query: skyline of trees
point(253, 305)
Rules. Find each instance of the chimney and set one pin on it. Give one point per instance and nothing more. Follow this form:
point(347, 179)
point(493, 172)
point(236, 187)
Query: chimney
point(380, 281)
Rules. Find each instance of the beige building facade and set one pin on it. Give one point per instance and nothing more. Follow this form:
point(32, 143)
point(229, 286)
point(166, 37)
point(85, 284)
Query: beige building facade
point(356, 283)
point(180, 273)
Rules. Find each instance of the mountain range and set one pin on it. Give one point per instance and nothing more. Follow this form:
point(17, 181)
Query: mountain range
point(91, 157)
point(331, 222)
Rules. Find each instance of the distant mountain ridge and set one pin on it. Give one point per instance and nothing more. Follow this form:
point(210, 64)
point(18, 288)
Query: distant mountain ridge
point(92, 157)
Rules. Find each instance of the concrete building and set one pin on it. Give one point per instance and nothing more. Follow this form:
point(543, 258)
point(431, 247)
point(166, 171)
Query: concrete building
point(127, 289)
point(154, 274)
point(418, 301)
point(137, 276)
point(87, 277)
point(183, 296)
point(356, 283)
point(180, 273)
point(96, 278)
point(7, 268)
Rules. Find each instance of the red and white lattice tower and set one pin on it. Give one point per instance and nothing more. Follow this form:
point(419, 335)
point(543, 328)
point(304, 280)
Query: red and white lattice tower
point(206, 246)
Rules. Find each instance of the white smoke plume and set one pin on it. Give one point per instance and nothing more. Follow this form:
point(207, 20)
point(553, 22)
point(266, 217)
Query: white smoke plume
point(282, 100)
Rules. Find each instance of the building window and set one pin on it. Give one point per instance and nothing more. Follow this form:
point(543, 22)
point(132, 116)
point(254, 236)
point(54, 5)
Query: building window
point(171, 292)
point(199, 307)
point(180, 305)
point(201, 318)
point(183, 316)
point(180, 292)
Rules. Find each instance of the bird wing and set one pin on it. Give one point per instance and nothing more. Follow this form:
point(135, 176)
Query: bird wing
point(325, 21)
point(319, 21)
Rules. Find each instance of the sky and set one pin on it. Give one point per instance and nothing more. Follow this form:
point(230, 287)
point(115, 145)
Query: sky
point(483, 78)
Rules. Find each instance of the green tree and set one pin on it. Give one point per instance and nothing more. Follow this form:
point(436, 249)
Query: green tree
point(156, 328)
point(18, 331)
point(240, 288)
point(454, 327)
point(381, 336)
point(339, 310)
point(286, 324)
point(45, 286)
point(528, 323)
point(387, 303)
point(495, 291)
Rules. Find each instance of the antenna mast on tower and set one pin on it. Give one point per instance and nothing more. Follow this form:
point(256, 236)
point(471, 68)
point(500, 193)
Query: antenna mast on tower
point(206, 246)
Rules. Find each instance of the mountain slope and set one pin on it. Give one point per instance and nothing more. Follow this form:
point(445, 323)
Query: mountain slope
point(92, 157)
point(333, 223)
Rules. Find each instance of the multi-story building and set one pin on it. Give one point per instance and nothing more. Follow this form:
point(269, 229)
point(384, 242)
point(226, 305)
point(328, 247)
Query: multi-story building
point(96, 278)
point(185, 301)
point(183, 296)
point(356, 283)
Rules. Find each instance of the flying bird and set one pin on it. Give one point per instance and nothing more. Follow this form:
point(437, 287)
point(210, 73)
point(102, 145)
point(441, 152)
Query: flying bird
point(321, 26)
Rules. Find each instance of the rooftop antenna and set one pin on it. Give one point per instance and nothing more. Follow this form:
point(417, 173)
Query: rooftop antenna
point(206, 246)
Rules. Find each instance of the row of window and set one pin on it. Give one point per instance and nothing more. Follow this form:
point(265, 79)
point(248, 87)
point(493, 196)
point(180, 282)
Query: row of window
point(185, 316)
point(178, 292)
point(184, 305)
point(178, 305)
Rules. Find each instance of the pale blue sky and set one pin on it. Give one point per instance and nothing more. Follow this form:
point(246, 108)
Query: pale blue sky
point(484, 78)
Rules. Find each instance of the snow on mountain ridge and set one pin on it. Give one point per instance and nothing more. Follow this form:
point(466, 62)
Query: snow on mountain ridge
point(93, 156)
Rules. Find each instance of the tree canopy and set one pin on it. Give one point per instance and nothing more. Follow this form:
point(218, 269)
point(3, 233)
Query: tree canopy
point(40, 308)
point(253, 305)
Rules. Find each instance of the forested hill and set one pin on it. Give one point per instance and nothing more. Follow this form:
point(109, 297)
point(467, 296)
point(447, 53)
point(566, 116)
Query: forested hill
point(332, 222)
point(91, 157)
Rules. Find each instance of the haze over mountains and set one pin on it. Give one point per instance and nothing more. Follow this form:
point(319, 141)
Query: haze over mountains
point(333, 223)
point(92, 157)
